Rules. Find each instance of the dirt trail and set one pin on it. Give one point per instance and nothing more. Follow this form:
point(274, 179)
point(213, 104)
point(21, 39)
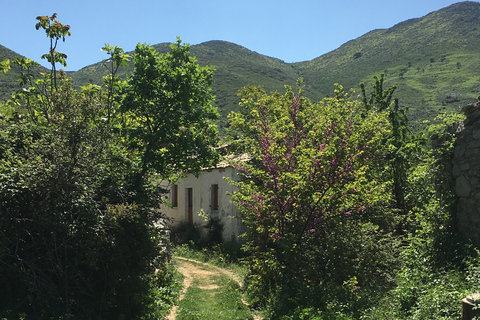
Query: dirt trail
point(191, 271)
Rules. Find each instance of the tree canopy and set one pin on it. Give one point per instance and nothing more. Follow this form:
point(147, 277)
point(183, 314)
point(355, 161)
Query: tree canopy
point(310, 191)
point(80, 231)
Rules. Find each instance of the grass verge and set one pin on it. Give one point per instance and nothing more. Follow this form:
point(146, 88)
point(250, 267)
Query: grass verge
point(211, 295)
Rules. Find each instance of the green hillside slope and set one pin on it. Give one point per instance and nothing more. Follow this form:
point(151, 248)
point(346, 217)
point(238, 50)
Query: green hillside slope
point(8, 81)
point(235, 67)
point(435, 60)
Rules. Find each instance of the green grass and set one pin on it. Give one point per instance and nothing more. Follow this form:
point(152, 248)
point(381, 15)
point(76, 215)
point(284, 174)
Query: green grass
point(220, 255)
point(213, 297)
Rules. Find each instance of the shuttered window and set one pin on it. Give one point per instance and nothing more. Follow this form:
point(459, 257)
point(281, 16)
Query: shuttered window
point(175, 195)
point(214, 200)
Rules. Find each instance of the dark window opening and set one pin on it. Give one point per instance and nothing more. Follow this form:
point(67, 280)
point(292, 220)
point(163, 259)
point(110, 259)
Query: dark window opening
point(214, 196)
point(190, 205)
point(175, 195)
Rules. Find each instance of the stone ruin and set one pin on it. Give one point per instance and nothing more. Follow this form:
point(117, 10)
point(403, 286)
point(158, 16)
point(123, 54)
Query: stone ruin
point(465, 171)
point(462, 175)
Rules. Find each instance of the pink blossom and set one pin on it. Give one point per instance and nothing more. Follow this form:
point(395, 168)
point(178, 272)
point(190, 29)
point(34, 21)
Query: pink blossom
point(361, 208)
point(275, 236)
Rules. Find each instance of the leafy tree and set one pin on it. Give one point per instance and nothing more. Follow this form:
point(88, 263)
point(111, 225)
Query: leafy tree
point(406, 148)
point(79, 231)
point(308, 191)
point(55, 31)
point(170, 120)
point(118, 58)
point(73, 241)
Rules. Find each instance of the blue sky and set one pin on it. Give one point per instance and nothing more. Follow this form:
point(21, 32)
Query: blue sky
point(291, 30)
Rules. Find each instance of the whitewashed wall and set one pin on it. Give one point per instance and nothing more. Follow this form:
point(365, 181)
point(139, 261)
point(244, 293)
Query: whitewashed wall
point(202, 200)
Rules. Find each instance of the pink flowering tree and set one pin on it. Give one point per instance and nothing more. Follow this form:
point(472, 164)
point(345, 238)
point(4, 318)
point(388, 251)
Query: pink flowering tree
point(315, 170)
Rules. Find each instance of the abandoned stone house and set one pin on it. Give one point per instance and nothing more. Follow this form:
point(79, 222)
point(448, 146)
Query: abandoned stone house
point(208, 193)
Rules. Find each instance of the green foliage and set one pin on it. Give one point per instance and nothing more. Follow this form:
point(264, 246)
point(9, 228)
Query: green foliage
point(434, 262)
point(425, 289)
point(55, 31)
point(113, 83)
point(5, 65)
point(188, 243)
point(405, 152)
point(169, 117)
point(79, 232)
point(72, 242)
point(6, 110)
point(443, 138)
point(309, 195)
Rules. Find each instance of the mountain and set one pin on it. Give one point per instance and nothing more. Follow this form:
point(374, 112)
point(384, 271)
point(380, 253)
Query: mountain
point(235, 67)
point(435, 60)
point(8, 81)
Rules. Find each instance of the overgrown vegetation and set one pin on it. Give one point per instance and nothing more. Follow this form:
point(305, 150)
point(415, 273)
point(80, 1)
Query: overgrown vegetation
point(206, 245)
point(80, 233)
point(344, 220)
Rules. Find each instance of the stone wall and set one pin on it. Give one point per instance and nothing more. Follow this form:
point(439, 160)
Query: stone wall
point(466, 173)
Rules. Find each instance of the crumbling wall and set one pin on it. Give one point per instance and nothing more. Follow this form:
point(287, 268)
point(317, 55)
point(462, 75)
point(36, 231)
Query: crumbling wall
point(466, 173)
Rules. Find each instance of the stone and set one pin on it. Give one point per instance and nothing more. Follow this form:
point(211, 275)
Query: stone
point(476, 134)
point(462, 186)
point(465, 169)
point(456, 171)
point(473, 144)
point(475, 115)
point(459, 151)
point(472, 153)
point(469, 310)
point(474, 181)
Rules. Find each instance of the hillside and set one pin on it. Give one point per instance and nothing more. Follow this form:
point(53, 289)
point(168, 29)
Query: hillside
point(434, 60)
point(235, 67)
point(8, 81)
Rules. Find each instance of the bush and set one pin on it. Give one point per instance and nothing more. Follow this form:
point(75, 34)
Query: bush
point(77, 237)
point(314, 199)
point(185, 233)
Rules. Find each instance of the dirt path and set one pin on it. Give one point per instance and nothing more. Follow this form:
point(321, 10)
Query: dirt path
point(191, 271)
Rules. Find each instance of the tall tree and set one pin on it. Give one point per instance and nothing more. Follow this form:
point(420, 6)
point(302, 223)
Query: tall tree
point(405, 152)
point(312, 178)
point(169, 112)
